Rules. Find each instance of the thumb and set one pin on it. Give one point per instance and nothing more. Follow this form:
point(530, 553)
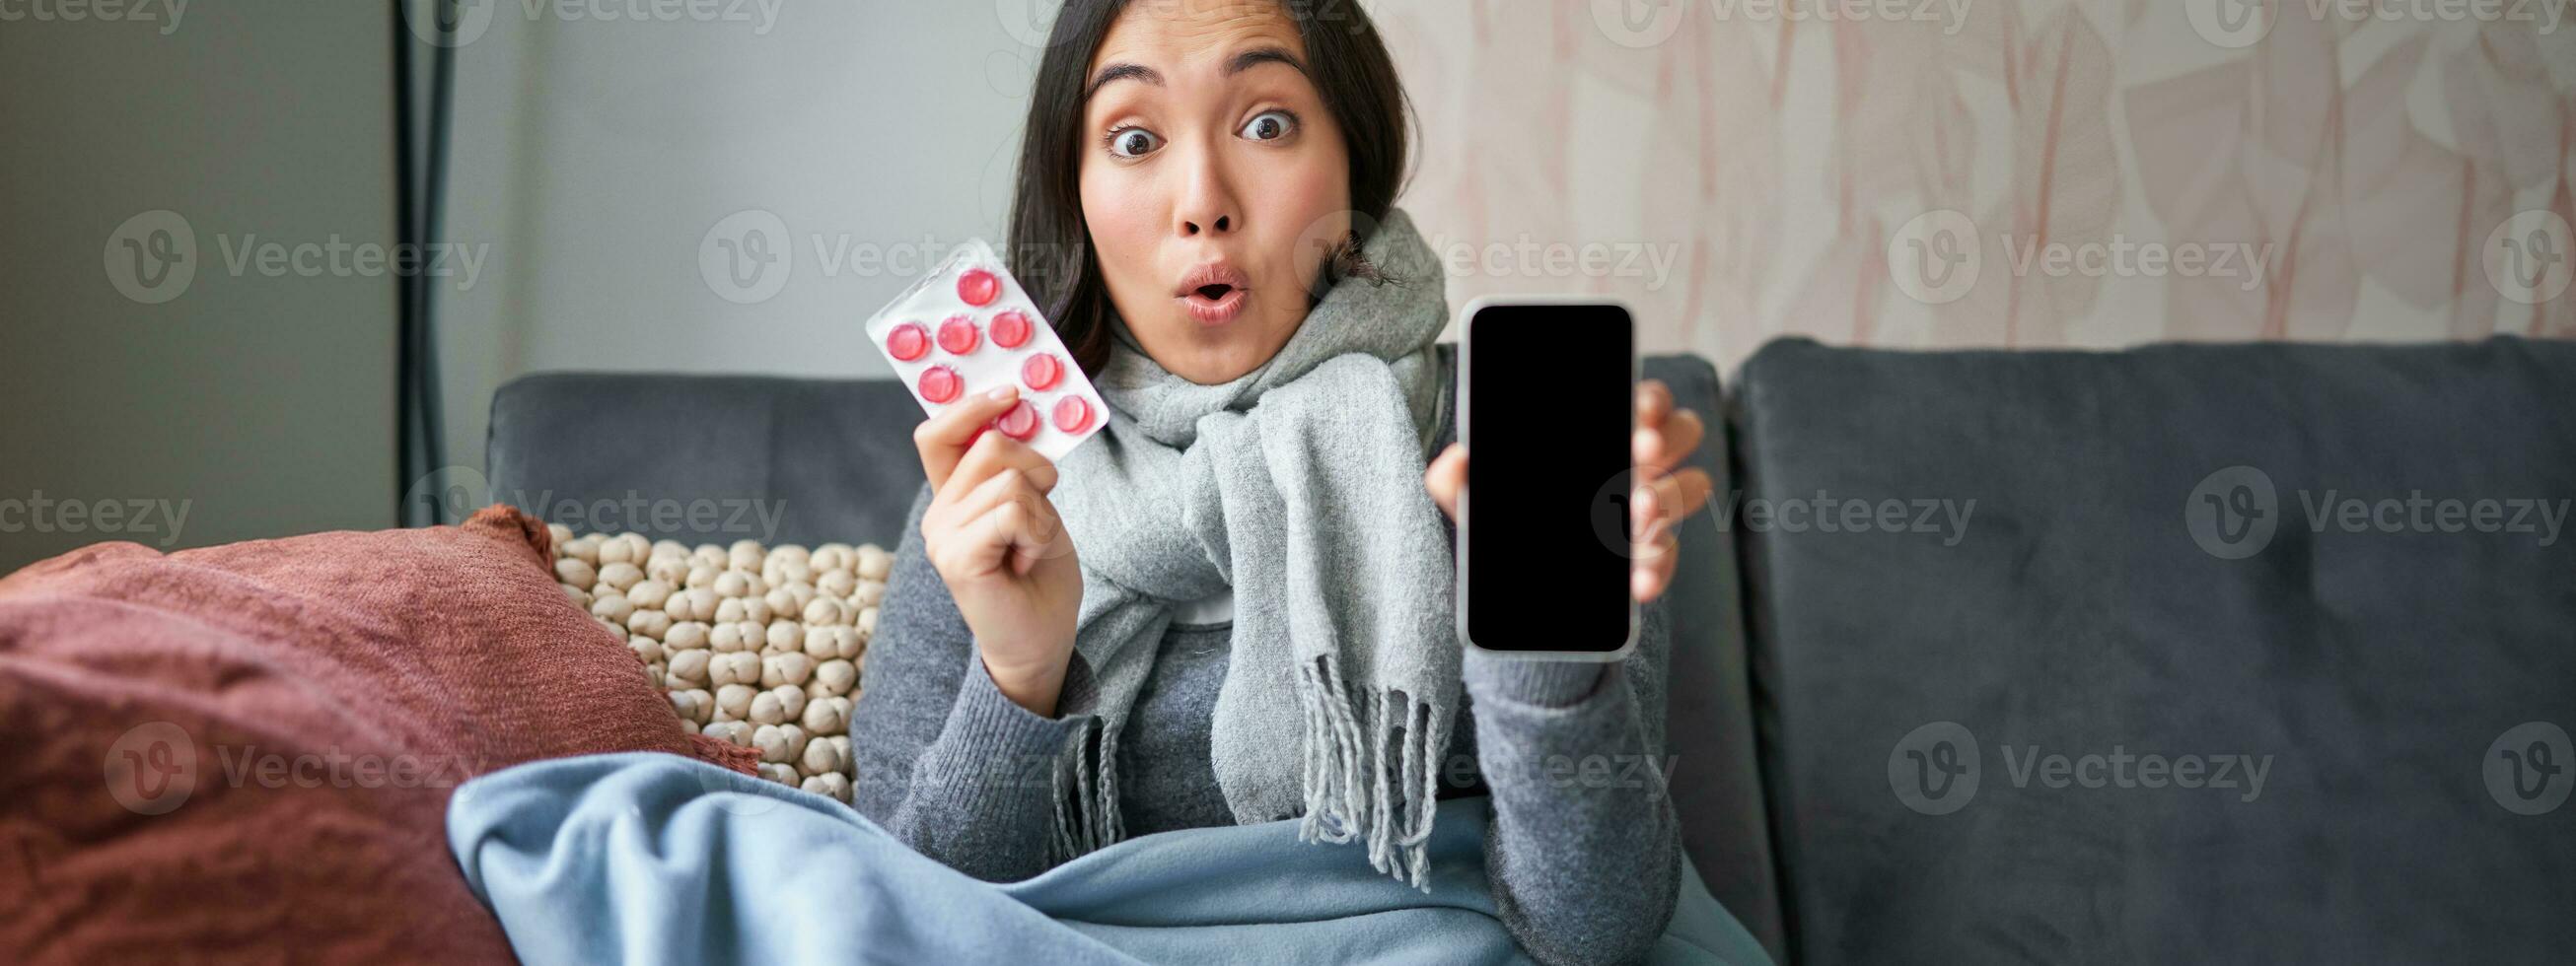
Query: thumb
point(1447, 475)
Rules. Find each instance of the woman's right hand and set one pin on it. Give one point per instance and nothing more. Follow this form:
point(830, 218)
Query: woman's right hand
point(998, 543)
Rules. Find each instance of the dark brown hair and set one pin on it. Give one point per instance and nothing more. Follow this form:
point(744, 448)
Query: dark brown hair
point(1050, 246)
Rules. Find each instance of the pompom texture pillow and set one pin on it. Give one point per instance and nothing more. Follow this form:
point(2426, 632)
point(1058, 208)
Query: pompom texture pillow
point(247, 751)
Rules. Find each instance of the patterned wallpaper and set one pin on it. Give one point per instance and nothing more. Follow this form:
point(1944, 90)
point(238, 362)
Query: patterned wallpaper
point(2004, 172)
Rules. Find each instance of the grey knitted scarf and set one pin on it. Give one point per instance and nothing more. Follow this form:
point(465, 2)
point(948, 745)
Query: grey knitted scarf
point(1299, 485)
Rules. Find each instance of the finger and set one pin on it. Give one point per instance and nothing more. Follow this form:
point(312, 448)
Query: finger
point(1017, 524)
point(1654, 400)
point(985, 541)
point(1006, 486)
point(943, 439)
point(962, 509)
point(1660, 448)
point(992, 453)
point(1658, 572)
point(990, 493)
point(1670, 559)
point(1025, 529)
point(1656, 551)
point(1447, 475)
point(1671, 498)
point(1690, 492)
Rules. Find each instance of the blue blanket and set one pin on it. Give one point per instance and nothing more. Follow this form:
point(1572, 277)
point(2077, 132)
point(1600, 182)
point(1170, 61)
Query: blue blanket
point(645, 857)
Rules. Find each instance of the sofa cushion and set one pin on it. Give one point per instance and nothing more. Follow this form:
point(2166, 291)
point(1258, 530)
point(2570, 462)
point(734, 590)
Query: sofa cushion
point(247, 751)
point(1979, 720)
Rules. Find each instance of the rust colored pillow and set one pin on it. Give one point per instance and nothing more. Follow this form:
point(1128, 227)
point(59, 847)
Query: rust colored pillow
point(247, 751)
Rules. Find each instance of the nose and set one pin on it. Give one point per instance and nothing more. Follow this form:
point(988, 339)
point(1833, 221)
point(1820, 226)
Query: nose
point(1207, 203)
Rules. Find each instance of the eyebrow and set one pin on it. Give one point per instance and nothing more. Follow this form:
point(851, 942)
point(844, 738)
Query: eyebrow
point(1241, 62)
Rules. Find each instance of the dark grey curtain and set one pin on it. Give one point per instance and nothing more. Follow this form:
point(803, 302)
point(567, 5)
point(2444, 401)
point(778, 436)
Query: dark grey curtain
point(424, 36)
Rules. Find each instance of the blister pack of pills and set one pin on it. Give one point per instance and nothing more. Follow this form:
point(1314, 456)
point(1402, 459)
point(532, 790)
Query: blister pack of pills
point(967, 328)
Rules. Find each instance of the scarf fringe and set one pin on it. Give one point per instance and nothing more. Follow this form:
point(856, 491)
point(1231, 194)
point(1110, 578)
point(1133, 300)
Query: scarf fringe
point(1086, 814)
point(1343, 745)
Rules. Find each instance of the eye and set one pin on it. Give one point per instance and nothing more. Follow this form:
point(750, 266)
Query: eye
point(1132, 142)
point(1269, 126)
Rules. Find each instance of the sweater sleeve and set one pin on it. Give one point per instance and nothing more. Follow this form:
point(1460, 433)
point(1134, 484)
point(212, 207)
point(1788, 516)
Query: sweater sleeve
point(945, 761)
point(1585, 850)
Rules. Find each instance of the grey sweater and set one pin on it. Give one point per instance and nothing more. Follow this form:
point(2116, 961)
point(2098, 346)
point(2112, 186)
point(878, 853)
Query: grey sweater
point(1583, 850)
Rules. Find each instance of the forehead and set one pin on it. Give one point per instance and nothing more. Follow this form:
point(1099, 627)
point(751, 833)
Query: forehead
point(1170, 33)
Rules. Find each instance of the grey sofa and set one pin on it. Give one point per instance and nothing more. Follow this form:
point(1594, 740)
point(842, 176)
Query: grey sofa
point(1912, 728)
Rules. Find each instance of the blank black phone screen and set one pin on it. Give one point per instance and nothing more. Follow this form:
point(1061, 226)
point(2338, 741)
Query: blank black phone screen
point(1548, 396)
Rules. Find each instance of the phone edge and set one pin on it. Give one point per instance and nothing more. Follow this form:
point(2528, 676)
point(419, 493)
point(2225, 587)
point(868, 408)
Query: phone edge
point(1636, 374)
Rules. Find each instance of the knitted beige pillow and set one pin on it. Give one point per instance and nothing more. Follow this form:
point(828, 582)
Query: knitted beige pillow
point(760, 646)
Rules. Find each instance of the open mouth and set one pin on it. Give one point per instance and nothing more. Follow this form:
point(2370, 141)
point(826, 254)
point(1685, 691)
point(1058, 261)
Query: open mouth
point(1212, 293)
point(1214, 304)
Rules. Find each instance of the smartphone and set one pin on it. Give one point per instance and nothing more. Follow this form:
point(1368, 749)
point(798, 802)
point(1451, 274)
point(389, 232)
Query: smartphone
point(1547, 392)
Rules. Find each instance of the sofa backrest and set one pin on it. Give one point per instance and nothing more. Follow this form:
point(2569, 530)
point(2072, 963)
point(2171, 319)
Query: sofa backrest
point(708, 458)
point(2249, 653)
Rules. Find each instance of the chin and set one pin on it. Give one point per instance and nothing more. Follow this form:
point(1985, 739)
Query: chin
point(1218, 365)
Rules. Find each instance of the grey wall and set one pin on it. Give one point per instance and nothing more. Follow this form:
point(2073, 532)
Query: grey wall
point(595, 157)
point(262, 405)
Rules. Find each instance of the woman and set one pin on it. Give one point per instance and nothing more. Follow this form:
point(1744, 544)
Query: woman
point(1235, 605)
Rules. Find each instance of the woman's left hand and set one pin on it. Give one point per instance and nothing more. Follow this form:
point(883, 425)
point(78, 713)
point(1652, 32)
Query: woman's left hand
point(1666, 435)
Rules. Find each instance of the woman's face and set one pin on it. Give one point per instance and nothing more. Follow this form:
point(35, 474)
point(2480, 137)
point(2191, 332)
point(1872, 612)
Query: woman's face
point(1213, 181)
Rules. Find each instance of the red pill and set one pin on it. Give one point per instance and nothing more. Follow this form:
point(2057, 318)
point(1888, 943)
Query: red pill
point(908, 341)
point(1010, 329)
point(978, 287)
point(940, 384)
point(957, 335)
point(1073, 414)
point(1020, 423)
point(1042, 371)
